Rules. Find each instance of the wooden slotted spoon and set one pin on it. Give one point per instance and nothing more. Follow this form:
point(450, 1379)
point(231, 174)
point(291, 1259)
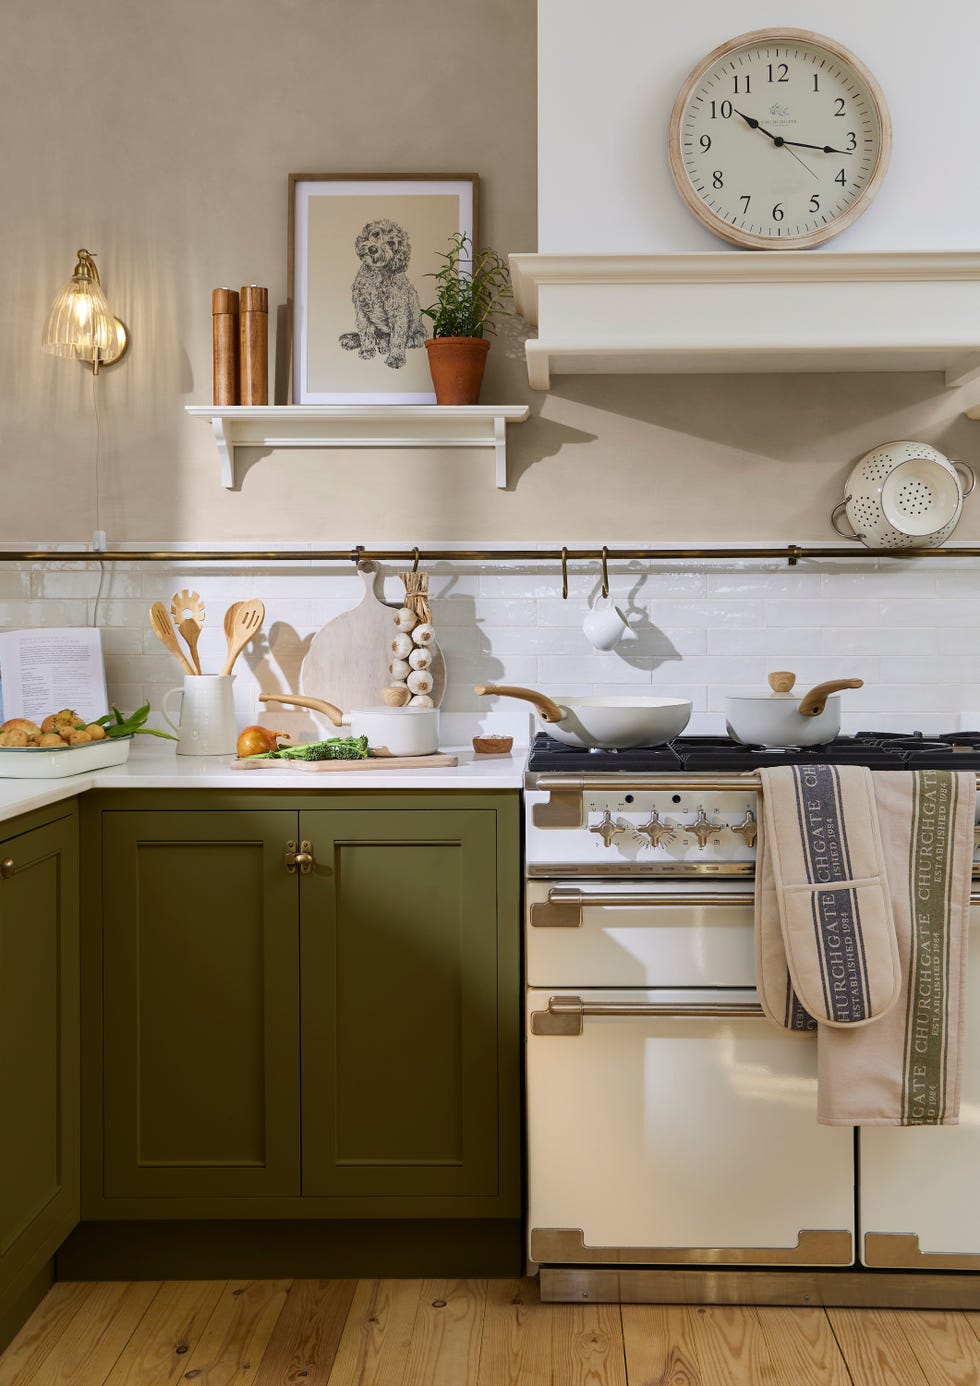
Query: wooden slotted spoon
point(163, 629)
point(245, 625)
point(187, 609)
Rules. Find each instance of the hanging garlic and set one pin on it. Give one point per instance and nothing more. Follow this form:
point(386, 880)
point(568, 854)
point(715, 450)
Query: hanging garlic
point(399, 669)
point(420, 658)
point(421, 700)
point(420, 681)
point(406, 619)
point(423, 634)
point(401, 647)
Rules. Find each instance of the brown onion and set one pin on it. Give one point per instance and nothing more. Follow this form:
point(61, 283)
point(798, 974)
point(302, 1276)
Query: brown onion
point(256, 740)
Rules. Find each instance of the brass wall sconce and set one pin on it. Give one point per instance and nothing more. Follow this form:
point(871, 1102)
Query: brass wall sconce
point(81, 324)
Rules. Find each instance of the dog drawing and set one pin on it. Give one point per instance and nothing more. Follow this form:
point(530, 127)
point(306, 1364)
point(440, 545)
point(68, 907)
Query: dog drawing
point(387, 316)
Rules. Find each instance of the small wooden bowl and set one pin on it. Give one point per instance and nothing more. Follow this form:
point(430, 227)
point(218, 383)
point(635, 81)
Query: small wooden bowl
point(493, 745)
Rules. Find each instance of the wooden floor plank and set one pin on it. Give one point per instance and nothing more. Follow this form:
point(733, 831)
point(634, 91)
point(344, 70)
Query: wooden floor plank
point(516, 1348)
point(97, 1335)
point(802, 1347)
point(659, 1345)
point(731, 1347)
point(158, 1351)
point(307, 1334)
point(374, 1346)
point(874, 1347)
point(446, 1337)
point(237, 1334)
point(587, 1345)
point(945, 1347)
point(23, 1358)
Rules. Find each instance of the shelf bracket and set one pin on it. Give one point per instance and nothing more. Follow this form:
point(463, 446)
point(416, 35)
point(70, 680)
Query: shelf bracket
point(226, 452)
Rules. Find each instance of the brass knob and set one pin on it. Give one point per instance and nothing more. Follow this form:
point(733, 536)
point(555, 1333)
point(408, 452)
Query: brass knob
point(7, 868)
point(656, 829)
point(303, 858)
point(703, 829)
point(607, 829)
point(748, 828)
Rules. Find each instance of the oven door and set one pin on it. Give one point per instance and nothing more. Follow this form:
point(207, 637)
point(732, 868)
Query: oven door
point(919, 1206)
point(679, 1127)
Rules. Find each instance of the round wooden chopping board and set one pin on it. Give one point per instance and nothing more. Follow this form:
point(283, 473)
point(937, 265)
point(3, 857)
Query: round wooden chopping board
point(347, 662)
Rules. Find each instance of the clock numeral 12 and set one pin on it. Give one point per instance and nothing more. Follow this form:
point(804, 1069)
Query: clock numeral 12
point(783, 70)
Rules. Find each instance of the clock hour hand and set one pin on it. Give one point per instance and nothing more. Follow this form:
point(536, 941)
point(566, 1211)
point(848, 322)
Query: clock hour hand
point(777, 140)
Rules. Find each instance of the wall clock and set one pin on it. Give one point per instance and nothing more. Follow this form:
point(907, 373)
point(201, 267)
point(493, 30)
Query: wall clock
point(779, 139)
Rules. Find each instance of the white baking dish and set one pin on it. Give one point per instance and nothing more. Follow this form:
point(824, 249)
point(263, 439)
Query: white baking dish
point(54, 763)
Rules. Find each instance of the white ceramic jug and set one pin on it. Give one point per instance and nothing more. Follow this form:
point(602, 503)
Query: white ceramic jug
point(205, 723)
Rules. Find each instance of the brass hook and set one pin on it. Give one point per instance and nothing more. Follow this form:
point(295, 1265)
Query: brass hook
point(356, 554)
point(415, 560)
point(605, 572)
point(564, 575)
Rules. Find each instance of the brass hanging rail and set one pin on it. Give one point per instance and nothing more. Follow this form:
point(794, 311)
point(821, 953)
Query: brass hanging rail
point(790, 553)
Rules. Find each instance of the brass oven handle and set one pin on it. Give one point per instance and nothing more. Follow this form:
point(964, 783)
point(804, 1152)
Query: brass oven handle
point(574, 1005)
point(564, 905)
point(565, 1015)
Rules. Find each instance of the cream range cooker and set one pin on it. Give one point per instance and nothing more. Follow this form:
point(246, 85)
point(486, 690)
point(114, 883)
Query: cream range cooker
point(673, 1149)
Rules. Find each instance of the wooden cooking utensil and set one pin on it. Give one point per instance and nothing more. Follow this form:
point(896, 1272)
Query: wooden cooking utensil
point(187, 609)
point(163, 629)
point(230, 615)
point(245, 626)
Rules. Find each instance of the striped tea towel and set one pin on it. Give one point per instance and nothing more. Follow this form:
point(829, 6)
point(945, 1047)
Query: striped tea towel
point(904, 1068)
point(825, 930)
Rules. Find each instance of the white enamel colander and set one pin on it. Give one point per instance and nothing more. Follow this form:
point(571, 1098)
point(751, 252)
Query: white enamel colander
point(903, 495)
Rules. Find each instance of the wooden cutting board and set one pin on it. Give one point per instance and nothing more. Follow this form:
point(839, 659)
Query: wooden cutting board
point(438, 758)
point(347, 662)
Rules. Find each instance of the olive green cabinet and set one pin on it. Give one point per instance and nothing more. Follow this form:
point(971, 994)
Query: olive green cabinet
point(39, 1041)
point(339, 1039)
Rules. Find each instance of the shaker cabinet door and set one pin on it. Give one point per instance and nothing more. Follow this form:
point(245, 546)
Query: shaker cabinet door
point(401, 1058)
point(39, 1043)
point(201, 1007)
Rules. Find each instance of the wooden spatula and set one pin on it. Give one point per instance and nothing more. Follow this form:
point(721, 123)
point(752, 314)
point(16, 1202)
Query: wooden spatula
point(187, 609)
point(163, 629)
point(245, 625)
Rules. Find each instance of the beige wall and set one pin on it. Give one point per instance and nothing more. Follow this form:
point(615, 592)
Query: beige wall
point(161, 137)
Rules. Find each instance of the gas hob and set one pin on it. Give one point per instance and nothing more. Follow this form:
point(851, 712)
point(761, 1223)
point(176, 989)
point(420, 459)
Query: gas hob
point(692, 754)
point(688, 808)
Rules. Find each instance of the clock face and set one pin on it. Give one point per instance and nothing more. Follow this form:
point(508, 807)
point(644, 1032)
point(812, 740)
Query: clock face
point(779, 139)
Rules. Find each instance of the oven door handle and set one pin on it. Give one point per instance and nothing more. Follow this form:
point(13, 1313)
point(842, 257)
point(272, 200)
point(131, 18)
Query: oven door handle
point(566, 1014)
point(564, 905)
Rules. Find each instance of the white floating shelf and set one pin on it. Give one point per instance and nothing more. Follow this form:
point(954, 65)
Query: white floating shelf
point(751, 311)
point(359, 426)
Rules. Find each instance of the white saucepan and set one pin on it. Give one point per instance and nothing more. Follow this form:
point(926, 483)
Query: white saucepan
point(618, 723)
point(390, 731)
point(783, 718)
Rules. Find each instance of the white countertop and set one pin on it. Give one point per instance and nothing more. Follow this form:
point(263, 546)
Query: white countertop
point(154, 764)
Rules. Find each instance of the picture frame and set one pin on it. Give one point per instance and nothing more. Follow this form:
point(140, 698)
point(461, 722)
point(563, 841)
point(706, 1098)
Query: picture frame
point(360, 249)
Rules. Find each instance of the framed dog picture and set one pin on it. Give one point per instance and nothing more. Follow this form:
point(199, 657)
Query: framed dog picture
point(360, 249)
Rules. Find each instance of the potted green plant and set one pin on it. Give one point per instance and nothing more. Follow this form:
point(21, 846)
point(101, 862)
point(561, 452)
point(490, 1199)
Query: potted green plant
point(472, 288)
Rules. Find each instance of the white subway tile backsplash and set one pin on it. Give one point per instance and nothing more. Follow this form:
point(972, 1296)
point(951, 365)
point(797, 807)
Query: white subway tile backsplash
point(909, 628)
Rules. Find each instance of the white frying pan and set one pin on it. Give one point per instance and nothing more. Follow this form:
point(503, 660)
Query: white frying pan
point(618, 723)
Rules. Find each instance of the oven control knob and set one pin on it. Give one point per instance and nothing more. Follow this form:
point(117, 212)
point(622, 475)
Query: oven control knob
point(748, 828)
point(656, 829)
point(703, 829)
point(607, 829)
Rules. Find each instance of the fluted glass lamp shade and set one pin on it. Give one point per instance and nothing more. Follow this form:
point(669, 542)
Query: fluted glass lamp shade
point(80, 324)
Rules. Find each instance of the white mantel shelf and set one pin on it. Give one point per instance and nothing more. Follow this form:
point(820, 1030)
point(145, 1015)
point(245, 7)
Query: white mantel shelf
point(751, 311)
point(359, 426)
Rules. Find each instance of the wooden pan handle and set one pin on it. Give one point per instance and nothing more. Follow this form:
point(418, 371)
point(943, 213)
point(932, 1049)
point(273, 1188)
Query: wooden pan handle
point(317, 704)
point(547, 710)
point(814, 702)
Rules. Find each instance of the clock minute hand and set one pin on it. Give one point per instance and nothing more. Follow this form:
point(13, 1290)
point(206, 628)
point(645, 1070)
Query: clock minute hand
point(823, 148)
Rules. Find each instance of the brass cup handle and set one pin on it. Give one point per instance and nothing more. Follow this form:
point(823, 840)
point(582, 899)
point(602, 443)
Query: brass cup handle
point(7, 868)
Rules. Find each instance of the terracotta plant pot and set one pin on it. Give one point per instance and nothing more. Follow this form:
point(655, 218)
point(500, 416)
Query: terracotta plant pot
point(456, 365)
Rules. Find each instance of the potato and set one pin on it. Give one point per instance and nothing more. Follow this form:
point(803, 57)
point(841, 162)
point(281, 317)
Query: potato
point(78, 738)
point(13, 738)
point(21, 724)
point(50, 739)
point(96, 733)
